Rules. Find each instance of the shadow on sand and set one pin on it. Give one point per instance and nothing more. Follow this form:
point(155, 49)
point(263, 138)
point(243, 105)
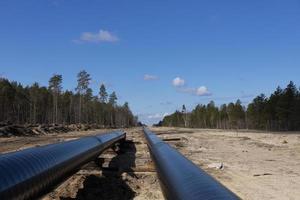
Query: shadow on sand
point(111, 186)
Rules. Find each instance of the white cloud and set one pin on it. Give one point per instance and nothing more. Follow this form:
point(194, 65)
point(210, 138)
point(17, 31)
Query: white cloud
point(178, 82)
point(151, 118)
point(157, 116)
point(200, 91)
point(165, 114)
point(101, 36)
point(148, 77)
point(180, 85)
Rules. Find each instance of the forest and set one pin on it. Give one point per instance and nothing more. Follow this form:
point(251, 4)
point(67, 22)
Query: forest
point(278, 112)
point(37, 104)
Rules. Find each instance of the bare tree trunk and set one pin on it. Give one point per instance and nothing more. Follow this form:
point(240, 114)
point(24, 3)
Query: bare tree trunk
point(34, 113)
point(79, 113)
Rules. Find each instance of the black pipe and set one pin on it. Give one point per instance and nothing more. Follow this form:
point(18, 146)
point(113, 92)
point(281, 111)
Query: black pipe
point(35, 171)
point(179, 177)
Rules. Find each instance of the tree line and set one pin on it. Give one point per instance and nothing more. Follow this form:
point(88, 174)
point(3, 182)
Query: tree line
point(279, 111)
point(37, 104)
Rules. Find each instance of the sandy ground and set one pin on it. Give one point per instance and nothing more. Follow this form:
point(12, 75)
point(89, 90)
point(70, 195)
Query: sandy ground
point(254, 165)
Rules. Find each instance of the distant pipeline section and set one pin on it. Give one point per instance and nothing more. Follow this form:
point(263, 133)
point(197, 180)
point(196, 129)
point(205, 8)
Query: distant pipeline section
point(32, 172)
point(180, 179)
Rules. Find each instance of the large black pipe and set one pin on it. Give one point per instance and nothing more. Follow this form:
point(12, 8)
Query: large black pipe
point(180, 179)
point(35, 171)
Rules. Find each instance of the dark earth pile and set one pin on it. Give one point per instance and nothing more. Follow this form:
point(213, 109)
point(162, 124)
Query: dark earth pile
point(8, 130)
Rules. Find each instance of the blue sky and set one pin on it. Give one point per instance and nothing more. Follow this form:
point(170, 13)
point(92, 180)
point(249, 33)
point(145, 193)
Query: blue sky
point(218, 50)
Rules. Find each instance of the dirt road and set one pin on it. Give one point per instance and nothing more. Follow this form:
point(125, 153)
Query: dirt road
point(253, 165)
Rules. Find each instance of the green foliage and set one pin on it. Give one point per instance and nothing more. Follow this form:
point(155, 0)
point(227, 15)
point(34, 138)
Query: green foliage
point(113, 99)
point(55, 83)
point(281, 111)
point(55, 87)
point(103, 94)
point(44, 105)
point(83, 81)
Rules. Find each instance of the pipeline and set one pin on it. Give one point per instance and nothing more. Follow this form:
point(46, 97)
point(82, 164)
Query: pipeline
point(32, 172)
point(180, 179)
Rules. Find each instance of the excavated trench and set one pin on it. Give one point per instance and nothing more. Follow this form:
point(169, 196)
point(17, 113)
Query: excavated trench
point(123, 172)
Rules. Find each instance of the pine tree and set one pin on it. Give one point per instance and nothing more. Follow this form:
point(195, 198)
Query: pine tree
point(103, 94)
point(184, 112)
point(83, 81)
point(113, 99)
point(55, 87)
